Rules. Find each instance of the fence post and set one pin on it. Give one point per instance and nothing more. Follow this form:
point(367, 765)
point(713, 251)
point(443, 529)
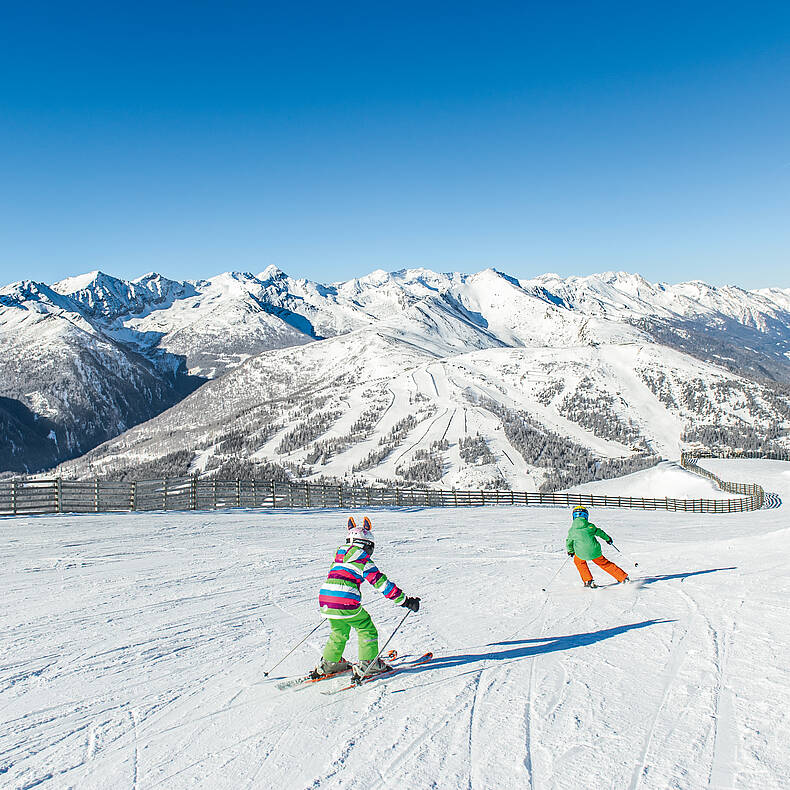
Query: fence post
point(193, 492)
point(133, 496)
point(274, 493)
point(397, 496)
point(340, 494)
point(254, 495)
point(59, 494)
point(214, 489)
point(13, 497)
point(96, 495)
point(238, 493)
point(164, 493)
point(307, 494)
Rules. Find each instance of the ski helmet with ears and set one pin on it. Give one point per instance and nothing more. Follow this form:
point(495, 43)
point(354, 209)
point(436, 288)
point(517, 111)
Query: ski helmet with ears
point(361, 536)
point(580, 512)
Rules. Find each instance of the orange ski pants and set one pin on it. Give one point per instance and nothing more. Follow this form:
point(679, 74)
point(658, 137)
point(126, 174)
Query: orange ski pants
point(601, 562)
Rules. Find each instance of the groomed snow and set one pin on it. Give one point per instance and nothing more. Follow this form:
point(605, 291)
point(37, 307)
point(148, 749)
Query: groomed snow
point(134, 648)
point(667, 479)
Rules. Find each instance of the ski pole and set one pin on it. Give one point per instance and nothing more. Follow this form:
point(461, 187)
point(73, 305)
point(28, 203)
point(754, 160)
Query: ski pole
point(635, 564)
point(555, 575)
point(359, 680)
point(266, 674)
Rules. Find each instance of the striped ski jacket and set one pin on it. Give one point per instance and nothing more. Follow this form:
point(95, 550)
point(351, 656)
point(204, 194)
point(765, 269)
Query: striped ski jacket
point(340, 596)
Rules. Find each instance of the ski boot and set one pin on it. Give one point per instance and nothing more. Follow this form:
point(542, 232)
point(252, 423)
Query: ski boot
point(591, 584)
point(370, 668)
point(627, 580)
point(330, 668)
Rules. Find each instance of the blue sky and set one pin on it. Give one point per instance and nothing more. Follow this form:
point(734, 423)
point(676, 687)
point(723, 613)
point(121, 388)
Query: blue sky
point(333, 139)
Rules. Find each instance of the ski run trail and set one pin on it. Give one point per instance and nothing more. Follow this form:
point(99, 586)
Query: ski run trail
point(134, 647)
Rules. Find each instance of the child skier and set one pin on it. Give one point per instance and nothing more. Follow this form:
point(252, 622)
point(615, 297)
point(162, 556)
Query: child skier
point(340, 601)
point(582, 544)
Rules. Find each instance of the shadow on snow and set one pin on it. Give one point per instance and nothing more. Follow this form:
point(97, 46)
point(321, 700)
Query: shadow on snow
point(523, 648)
point(669, 576)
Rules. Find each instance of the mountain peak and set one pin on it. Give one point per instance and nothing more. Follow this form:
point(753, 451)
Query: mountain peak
point(101, 294)
point(24, 291)
point(272, 273)
point(491, 273)
point(80, 282)
point(149, 277)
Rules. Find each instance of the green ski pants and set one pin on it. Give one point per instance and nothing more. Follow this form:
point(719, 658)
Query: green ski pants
point(367, 635)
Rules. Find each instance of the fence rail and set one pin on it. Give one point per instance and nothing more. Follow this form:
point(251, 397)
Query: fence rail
point(754, 492)
point(32, 497)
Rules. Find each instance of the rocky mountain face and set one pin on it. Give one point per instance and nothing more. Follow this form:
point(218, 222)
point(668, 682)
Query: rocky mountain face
point(412, 376)
point(66, 385)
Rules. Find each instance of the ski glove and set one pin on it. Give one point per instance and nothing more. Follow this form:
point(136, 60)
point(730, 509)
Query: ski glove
point(609, 541)
point(570, 553)
point(412, 603)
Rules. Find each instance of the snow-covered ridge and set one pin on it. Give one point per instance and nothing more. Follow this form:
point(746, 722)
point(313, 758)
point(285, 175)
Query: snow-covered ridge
point(217, 323)
point(629, 295)
point(281, 309)
point(536, 345)
point(342, 306)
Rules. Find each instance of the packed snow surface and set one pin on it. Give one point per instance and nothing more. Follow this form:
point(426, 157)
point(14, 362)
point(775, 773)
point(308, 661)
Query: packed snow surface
point(665, 480)
point(135, 646)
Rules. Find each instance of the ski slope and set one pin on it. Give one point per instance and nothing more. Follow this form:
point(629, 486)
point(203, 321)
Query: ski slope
point(134, 647)
point(658, 480)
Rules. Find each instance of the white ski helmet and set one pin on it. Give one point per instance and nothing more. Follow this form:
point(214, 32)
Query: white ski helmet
point(363, 535)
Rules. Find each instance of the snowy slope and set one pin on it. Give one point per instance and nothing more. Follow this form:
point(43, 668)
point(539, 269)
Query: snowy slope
point(65, 385)
point(212, 324)
point(667, 479)
point(272, 310)
point(210, 328)
point(135, 646)
point(627, 295)
point(400, 402)
point(746, 331)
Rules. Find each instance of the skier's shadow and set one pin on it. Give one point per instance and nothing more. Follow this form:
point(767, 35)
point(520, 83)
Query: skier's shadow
point(669, 576)
point(524, 648)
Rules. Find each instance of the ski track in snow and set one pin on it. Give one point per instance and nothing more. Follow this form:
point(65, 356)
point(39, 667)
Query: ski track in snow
point(676, 657)
point(134, 648)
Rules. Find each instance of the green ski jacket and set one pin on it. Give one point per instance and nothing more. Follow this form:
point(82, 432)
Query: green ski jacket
point(582, 539)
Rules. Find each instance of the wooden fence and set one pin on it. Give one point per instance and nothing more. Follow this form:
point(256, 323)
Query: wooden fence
point(754, 493)
point(29, 497)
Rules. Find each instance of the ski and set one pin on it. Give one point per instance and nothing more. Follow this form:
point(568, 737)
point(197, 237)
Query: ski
point(423, 659)
point(307, 680)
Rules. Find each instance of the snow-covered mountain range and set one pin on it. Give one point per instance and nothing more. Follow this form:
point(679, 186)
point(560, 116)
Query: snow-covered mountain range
point(455, 379)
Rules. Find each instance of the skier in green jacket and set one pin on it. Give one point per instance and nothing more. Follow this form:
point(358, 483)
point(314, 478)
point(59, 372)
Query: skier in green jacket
point(582, 544)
